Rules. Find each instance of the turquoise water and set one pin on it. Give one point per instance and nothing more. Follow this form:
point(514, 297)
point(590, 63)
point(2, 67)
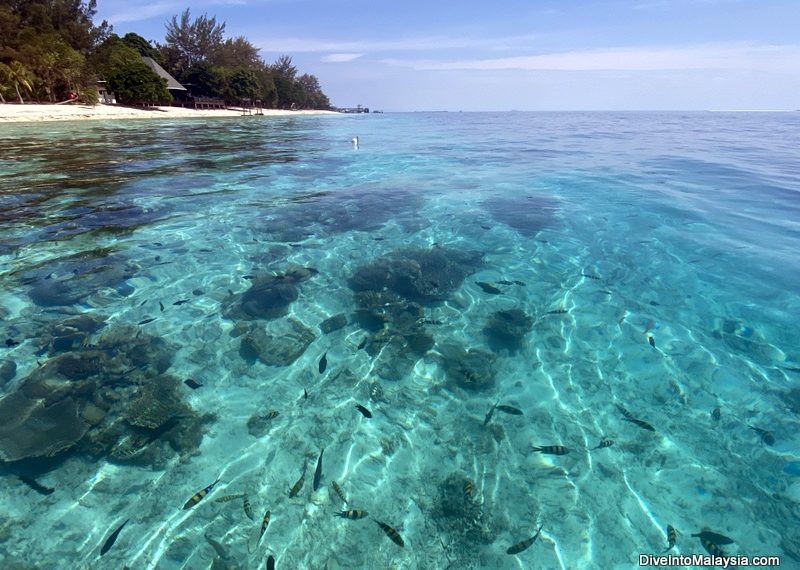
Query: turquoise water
point(645, 262)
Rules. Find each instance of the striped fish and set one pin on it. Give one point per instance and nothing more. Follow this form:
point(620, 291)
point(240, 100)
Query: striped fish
point(469, 490)
point(604, 443)
point(672, 537)
point(299, 484)
point(197, 497)
point(524, 544)
point(248, 508)
point(339, 491)
point(256, 539)
point(226, 498)
point(641, 424)
point(551, 449)
point(352, 514)
point(712, 548)
point(392, 534)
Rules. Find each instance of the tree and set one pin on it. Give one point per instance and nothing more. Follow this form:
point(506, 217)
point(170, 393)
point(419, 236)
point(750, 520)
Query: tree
point(135, 83)
point(244, 84)
point(15, 75)
point(141, 45)
point(204, 79)
point(188, 42)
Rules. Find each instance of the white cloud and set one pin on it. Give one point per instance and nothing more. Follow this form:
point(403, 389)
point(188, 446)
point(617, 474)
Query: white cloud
point(780, 58)
point(340, 57)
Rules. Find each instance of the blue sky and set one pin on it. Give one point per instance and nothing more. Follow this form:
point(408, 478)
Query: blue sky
point(406, 55)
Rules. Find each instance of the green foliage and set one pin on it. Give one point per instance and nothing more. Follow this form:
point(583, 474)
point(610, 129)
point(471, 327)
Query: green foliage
point(88, 95)
point(204, 80)
point(49, 48)
point(189, 42)
point(135, 84)
point(50, 39)
point(142, 46)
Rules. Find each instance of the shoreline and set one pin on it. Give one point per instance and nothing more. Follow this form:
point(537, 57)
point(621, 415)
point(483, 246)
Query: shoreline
point(36, 113)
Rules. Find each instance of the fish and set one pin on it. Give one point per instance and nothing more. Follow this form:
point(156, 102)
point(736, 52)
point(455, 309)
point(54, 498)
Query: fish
point(248, 508)
point(218, 548)
point(504, 282)
point(392, 534)
point(469, 490)
point(711, 548)
point(765, 436)
point(716, 414)
point(145, 321)
point(180, 302)
point(352, 514)
point(270, 562)
point(318, 472)
point(112, 538)
point(642, 424)
point(35, 485)
point(714, 537)
point(551, 449)
point(248, 277)
point(520, 283)
point(256, 540)
point(305, 393)
point(525, 544)
point(323, 362)
point(604, 443)
point(197, 497)
point(488, 288)
point(193, 384)
point(299, 484)
point(363, 343)
point(339, 491)
point(272, 414)
point(11, 343)
point(590, 276)
point(490, 413)
point(161, 306)
point(652, 341)
point(625, 412)
point(364, 411)
point(509, 410)
point(557, 312)
point(672, 537)
point(226, 498)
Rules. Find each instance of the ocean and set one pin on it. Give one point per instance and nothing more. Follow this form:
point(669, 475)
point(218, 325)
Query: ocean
point(577, 328)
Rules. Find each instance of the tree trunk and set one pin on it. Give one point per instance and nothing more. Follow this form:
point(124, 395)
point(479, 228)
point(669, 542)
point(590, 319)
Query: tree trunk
point(16, 86)
point(2, 99)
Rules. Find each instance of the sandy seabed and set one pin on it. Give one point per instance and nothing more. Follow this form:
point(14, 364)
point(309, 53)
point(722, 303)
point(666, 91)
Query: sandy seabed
point(13, 113)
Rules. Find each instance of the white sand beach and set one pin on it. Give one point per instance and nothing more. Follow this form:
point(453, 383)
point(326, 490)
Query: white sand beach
point(13, 113)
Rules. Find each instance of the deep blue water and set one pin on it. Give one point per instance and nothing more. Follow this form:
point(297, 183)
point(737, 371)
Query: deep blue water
point(575, 267)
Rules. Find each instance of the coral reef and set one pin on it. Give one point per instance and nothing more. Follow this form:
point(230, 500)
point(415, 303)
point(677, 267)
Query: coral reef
point(526, 214)
point(471, 369)
point(279, 344)
point(269, 295)
point(506, 329)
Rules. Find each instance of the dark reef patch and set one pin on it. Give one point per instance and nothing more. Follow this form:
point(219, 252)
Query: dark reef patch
point(419, 275)
point(269, 295)
point(334, 212)
point(526, 214)
point(507, 329)
point(70, 280)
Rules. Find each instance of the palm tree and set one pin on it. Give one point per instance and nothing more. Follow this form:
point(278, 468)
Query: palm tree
point(17, 75)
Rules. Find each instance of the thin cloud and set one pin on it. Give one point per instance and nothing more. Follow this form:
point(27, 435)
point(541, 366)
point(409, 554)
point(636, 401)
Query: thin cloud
point(781, 58)
point(143, 12)
point(310, 45)
point(340, 57)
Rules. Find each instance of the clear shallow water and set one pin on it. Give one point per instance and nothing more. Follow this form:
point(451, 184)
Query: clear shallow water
point(600, 230)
